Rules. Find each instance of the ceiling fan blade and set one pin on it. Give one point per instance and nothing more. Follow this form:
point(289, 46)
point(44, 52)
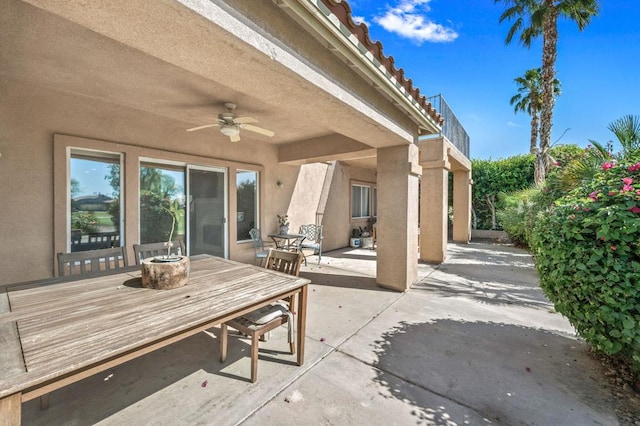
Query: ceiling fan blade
point(245, 120)
point(201, 127)
point(257, 129)
point(234, 138)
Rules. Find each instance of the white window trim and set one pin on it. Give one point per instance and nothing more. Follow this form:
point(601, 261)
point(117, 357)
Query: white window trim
point(98, 155)
point(369, 186)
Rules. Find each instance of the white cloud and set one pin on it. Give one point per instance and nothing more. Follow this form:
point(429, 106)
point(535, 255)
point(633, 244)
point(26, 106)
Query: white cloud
point(475, 118)
point(360, 20)
point(408, 20)
point(512, 124)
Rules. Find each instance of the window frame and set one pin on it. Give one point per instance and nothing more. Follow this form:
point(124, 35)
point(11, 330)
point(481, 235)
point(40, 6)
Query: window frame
point(131, 155)
point(361, 185)
point(93, 155)
point(256, 201)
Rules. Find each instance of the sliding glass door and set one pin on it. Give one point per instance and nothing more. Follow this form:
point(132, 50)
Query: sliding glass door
point(206, 190)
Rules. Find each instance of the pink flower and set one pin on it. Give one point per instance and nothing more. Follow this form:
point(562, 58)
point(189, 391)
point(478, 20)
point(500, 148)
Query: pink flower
point(634, 168)
point(594, 195)
point(572, 216)
point(613, 248)
point(612, 193)
point(635, 209)
point(627, 188)
point(627, 180)
point(607, 166)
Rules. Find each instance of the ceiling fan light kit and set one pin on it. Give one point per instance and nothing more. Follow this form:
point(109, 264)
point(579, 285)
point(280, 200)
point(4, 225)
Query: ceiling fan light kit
point(229, 130)
point(230, 125)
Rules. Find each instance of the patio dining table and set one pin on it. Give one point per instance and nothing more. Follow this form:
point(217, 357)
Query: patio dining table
point(288, 241)
point(58, 331)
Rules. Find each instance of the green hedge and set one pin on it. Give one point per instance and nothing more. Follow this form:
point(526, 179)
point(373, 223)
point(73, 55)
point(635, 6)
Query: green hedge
point(492, 177)
point(518, 214)
point(587, 251)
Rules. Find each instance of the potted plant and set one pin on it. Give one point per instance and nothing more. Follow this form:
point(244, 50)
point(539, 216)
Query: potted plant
point(366, 240)
point(170, 270)
point(283, 221)
point(173, 210)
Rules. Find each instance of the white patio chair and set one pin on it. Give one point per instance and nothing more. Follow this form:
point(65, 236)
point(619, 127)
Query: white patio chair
point(313, 240)
point(258, 245)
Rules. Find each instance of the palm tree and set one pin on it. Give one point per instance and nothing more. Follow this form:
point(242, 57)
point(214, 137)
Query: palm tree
point(541, 18)
point(582, 169)
point(627, 130)
point(529, 99)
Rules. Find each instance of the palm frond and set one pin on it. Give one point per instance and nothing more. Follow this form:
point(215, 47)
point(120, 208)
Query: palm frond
point(627, 130)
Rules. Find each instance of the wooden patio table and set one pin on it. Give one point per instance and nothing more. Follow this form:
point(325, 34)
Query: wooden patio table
point(56, 332)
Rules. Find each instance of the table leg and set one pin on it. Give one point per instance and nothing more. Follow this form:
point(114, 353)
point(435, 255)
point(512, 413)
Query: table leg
point(10, 410)
point(302, 322)
point(277, 242)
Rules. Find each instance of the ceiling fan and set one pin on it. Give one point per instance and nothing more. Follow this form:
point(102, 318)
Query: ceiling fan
point(230, 125)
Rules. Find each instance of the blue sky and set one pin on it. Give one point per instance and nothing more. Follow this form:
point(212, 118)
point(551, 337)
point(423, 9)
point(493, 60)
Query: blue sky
point(456, 48)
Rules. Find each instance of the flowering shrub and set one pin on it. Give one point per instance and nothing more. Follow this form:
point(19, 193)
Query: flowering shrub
point(588, 256)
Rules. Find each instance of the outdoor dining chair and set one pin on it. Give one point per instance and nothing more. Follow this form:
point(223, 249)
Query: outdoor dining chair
point(258, 245)
point(143, 251)
point(256, 323)
point(91, 261)
point(312, 240)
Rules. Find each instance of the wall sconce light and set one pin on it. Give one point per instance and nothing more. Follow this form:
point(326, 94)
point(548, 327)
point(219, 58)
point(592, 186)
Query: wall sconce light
point(279, 183)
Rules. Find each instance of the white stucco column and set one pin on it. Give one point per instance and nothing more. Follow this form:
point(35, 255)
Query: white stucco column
point(397, 228)
point(434, 194)
point(461, 206)
point(434, 200)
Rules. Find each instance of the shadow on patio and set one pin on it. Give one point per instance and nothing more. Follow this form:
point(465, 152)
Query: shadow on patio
point(474, 342)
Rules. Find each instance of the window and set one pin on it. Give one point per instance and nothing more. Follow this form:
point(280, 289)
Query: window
point(360, 201)
point(90, 176)
point(247, 203)
point(95, 201)
point(374, 201)
point(161, 187)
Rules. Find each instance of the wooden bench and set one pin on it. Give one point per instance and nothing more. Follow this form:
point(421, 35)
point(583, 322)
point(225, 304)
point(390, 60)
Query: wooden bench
point(57, 331)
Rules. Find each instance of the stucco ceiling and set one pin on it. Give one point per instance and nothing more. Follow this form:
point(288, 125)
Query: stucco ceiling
point(153, 64)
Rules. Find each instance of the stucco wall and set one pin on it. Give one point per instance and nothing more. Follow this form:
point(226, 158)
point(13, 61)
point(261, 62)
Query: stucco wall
point(337, 217)
point(29, 118)
point(269, 19)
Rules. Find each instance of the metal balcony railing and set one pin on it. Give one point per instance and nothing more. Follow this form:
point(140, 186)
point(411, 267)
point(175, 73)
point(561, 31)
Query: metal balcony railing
point(452, 128)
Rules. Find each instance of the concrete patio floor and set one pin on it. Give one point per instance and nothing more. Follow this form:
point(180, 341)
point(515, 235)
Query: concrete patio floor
point(474, 342)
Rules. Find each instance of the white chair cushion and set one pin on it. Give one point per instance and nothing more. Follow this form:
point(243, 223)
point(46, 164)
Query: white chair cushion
point(267, 313)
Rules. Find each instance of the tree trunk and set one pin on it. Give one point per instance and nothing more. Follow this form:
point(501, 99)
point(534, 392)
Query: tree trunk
point(533, 143)
point(549, 53)
point(539, 174)
point(474, 219)
point(492, 208)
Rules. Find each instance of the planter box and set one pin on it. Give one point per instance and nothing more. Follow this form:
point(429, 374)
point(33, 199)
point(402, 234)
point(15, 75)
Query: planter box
point(163, 275)
point(366, 242)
